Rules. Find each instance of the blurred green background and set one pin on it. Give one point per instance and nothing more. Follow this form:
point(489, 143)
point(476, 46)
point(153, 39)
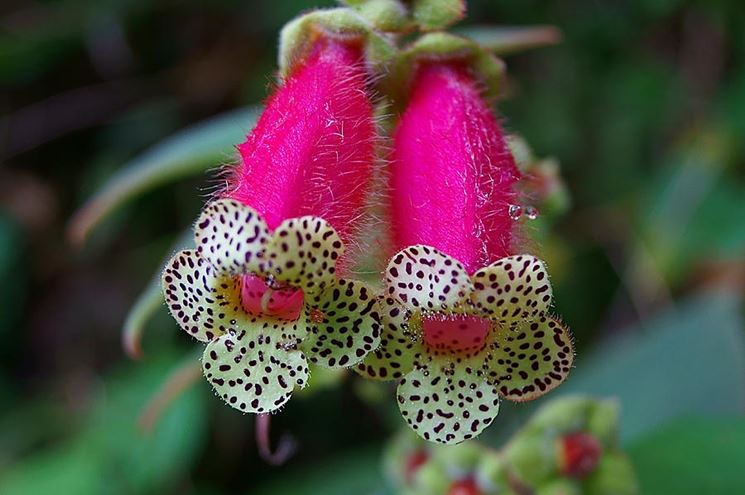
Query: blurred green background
point(643, 104)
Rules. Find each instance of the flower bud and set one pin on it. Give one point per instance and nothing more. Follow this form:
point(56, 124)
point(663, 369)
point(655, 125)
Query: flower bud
point(560, 487)
point(466, 486)
point(579, 454)
point(614, 475)
point(431, 479)
point(532, 458)
point(491, 473)
point(602, 422)
point(562, 415)
point(461, 459)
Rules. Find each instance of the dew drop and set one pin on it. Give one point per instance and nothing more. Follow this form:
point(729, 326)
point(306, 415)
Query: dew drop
point(515, 212)
point(531, 212)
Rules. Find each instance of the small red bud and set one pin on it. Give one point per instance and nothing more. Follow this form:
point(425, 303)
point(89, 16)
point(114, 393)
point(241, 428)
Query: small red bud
point(465, 486)
point(413, 463)
point(580, 453)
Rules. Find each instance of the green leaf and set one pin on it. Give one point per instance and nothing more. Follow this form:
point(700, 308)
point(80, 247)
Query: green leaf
point(689, 360)
point(692, 456)
point(110, 454)
point(149, 302)
point(506, 40)
point(189, 152)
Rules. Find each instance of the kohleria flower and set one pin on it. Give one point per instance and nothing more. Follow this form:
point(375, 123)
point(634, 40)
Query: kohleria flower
point(465, 321)
point(262, 287)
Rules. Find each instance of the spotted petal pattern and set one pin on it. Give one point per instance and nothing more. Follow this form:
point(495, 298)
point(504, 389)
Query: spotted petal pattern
point(252, 372)
point(512, 288)
point(204, 303)
point(447, 407)
point(421, 277)
point(399, 350)
point(344, 324)
point(532, 358)
point(231, 237)
point(303, 253)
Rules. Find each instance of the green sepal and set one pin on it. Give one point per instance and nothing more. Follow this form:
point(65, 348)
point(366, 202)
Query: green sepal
point(299, 35)
point(390, 16)
point(602, 422)
point(492, 473)
point(561, 415)
point(461, 459)
point(441, 46)
point(532, 458)
point(561, 487)
point(613, 474)
point(431, 479)
point(433, 15)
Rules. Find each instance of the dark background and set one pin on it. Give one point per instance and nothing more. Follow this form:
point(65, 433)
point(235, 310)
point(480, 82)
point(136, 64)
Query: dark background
point(643, 104)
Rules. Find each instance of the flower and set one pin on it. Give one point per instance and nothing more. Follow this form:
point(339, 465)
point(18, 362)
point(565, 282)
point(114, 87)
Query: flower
point(258, 349)
point(457, 343)
point(465, 320)
point(262, 288)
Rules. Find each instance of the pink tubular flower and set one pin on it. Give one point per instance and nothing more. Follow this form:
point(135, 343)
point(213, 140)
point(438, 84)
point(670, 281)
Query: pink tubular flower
point(312, 150)
point(452, 173)
point(465, 321)
point(262, 288)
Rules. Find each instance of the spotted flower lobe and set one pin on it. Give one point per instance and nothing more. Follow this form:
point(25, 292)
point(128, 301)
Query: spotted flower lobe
point(343, 324)
point(252, 371)
point(303, 253)
point(231, 237)
point(424, 278)
point(447, 405)
point(531, 358)
point(205, 302)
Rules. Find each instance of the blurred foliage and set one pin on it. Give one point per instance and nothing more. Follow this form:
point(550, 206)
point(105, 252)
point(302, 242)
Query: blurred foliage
point(642, 104)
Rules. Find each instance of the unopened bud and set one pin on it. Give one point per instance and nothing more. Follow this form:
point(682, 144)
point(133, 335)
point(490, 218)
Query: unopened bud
point(579, 454)
point(532, 458)
point(603, 422)
point(560, 487)
point(613, 475)
point(459, 459)
point(431, 479)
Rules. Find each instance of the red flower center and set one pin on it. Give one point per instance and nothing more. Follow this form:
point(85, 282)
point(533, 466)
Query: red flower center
point(455, 333)
point(258, 298)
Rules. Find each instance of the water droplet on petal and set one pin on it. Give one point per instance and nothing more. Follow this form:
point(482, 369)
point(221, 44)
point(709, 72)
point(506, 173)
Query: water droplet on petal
point(531, 212)
point(515, 212)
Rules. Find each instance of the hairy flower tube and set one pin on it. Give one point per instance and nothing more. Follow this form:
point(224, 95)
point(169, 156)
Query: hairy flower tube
point(262, 288)
point(465, 321)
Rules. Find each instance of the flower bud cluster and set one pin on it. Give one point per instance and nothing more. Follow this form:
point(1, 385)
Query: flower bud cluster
point(568, 447)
